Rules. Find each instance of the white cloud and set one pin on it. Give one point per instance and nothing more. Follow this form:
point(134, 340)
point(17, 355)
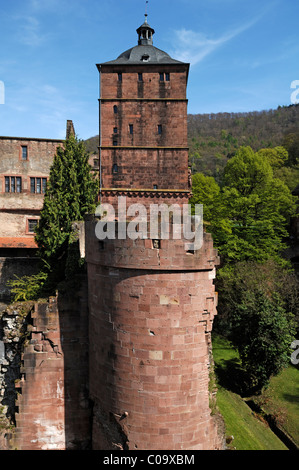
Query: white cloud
point(30, 31)
point(193, 47)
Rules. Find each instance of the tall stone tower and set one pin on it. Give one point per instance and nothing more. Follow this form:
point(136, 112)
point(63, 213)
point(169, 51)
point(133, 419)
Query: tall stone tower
point(151, 302)
point(143, 124)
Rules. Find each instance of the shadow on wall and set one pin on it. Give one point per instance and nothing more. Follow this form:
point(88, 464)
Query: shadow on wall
point(12, 266)
point(73, 323)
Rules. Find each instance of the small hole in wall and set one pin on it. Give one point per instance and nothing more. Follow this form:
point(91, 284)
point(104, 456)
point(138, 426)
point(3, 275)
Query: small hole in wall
point(157, 244)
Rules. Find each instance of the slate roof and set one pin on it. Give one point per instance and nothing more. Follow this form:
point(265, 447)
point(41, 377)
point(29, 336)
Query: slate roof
point(143, 54)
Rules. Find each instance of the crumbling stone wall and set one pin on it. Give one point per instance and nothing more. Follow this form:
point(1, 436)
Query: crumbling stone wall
point(13, 336)
point(44, 373)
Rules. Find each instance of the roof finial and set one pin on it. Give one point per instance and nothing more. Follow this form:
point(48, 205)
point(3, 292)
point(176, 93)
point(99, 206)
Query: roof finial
point(146, 15)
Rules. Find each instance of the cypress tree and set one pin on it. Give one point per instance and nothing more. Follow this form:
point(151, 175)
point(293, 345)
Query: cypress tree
point(71, 193)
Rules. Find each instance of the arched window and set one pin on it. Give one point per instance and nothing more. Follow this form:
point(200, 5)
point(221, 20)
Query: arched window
point(115, 169)
point(115, 109)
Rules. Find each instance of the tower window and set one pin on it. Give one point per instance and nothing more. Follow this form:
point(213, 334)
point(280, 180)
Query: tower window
point(114, 142)
point(145, 58)
point(115, 169)
point(120, 77)
point(164, 77)
point(115, 130)
point(131, 129)
point(140, 77)
point(24, 152)
point(160, 129)
point(115, 109)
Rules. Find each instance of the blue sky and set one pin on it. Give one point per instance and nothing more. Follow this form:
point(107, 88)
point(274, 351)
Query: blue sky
point(244, 56)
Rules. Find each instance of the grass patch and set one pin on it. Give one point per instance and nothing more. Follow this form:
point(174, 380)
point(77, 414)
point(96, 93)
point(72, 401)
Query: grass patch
point(281, 400)
point(249, 431)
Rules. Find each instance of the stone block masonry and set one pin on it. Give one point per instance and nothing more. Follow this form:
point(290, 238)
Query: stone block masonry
point(150, 340)
point(49, 405)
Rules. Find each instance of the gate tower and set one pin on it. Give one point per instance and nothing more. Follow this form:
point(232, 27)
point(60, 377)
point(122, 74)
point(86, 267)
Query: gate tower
point(151, 302)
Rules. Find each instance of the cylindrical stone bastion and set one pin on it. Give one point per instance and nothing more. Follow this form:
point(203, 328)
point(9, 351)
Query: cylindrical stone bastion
point(152, 304)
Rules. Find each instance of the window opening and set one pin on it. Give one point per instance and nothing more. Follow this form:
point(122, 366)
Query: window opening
point(24, 152)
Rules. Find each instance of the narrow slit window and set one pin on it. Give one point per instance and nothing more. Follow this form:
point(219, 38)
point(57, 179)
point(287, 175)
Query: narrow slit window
point(7, 184)
point(19, 184)
point(140, 77)
point(115, 109)
point(44, 185)
point(12, 184)
point(131, 129)
point(115, 169)
point(115, 130)
point(38, 186)
point(160, 129)
point(161, 77)
point(167, 77)
point(24, 152)
point(120, 77)
point(32, 185)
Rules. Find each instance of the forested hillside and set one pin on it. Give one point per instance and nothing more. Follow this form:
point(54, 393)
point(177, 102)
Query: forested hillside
point(214, 138)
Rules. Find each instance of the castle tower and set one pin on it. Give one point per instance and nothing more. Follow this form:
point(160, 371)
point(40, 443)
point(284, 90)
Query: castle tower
point(151, 301)
point(143, 124)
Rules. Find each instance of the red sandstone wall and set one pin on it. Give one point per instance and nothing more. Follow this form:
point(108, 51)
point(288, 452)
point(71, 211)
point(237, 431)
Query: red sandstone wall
point(144, 156)
point(53, 406)
point(151, 87)
point(142, 168)
point(151, 315)
point(145, 118)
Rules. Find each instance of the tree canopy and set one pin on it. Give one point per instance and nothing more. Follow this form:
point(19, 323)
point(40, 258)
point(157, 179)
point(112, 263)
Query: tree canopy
point(248, 215)
point(71, 193)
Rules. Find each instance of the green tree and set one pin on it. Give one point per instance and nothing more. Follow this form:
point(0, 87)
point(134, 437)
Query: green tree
point(258, 305)
point(71, 193)
point(262, 333)
point(248, 217)
point(207, 192)
point(291, 143)
point(277, 157)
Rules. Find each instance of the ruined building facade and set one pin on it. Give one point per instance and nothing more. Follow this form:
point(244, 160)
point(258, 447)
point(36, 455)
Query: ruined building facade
point(24, 171)
point(124, 362)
